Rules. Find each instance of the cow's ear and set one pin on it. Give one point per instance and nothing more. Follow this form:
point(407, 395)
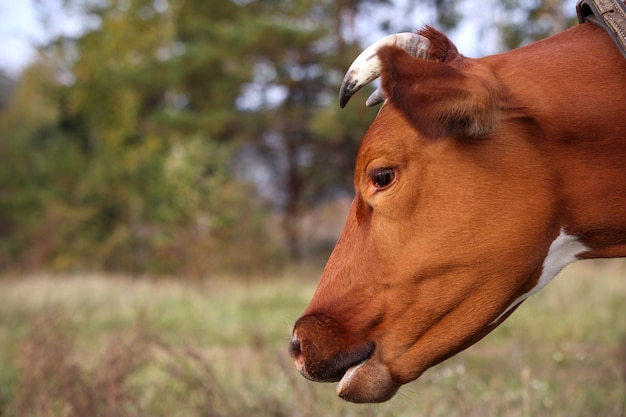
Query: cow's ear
point(449, 96)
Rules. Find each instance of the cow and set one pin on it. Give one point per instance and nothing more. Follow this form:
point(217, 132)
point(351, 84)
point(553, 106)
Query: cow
point(477, 182)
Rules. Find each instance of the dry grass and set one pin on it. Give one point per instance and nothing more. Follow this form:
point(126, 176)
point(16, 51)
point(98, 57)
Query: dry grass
point(106, 346)
point(54, 381)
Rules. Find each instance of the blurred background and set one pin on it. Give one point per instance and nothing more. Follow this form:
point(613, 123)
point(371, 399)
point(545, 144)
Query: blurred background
point(193, 137)
point(173, 176)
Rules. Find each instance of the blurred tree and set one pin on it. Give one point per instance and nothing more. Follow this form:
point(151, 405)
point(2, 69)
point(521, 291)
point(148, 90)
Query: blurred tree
point(23, 171)
point(299, 57)
point(153, 91)
point(130, 98)
point(6, 88)
point(522, 22)
point(134, 144)
point(447, 13)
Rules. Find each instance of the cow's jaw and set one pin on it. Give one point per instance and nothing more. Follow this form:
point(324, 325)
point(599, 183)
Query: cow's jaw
point(564, 250)
point(368, 382)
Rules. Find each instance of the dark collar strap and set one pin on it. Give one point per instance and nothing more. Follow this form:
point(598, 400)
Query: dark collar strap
point(608, 14)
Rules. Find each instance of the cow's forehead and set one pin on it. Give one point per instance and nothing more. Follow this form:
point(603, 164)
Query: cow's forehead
point(390, 133)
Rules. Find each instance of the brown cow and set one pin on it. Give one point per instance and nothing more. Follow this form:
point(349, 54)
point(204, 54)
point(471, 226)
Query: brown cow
point(478, 181)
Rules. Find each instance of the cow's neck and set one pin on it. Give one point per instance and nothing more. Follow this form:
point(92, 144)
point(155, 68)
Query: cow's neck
point(593, 189)
point(579, 127)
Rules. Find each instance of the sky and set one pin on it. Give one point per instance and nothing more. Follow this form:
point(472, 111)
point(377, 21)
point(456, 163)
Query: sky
point(19, 29)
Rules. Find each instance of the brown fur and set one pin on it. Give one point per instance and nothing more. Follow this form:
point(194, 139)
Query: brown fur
point(441, 48)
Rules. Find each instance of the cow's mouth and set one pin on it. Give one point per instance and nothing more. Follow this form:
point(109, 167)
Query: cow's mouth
point(331, 369)
point(368, 382)
point(362, 376)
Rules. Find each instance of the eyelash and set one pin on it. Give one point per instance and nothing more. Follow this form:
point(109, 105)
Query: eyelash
point(382, 177)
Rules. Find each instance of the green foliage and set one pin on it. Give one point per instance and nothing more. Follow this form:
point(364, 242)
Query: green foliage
point(124, 165)
point(121, 141)
point(6, 87)
point(122, 146)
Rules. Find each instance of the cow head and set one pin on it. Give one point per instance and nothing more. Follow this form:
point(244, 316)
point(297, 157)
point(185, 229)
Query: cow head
point(452, 226)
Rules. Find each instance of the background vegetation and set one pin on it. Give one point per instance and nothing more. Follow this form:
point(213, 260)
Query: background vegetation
point(162, 163)
point(191, 137)
point(112, 346)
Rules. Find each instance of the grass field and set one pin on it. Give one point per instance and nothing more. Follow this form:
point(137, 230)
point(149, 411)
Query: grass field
point(112, 346)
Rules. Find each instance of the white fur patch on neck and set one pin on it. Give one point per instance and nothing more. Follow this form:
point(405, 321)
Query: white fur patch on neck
point(563, 251)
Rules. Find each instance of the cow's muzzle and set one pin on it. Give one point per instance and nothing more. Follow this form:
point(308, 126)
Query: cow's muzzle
point(322, 351)
point(312, 365)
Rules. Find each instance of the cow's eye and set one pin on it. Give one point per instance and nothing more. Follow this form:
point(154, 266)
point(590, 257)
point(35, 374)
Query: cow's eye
point(382, 177)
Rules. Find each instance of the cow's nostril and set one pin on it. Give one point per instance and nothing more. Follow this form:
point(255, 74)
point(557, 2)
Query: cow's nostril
point(294, 346)
point(295, 352)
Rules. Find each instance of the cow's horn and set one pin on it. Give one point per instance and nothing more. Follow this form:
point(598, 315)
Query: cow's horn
point(366, 67)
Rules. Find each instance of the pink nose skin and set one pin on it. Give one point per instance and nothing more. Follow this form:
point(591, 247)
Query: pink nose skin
point(295, 352)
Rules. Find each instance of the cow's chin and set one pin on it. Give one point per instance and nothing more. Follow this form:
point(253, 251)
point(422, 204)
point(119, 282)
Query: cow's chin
point(368, 382)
